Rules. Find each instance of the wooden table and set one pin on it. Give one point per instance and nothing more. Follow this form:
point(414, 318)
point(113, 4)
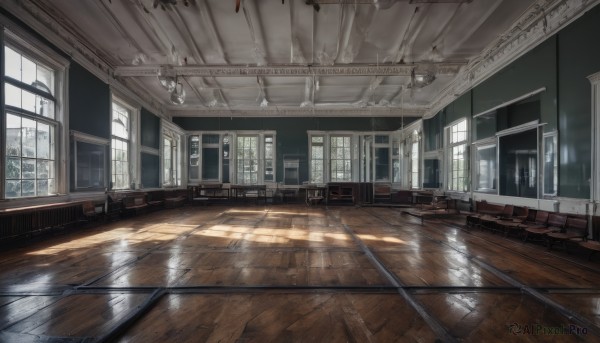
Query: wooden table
point(243, 192)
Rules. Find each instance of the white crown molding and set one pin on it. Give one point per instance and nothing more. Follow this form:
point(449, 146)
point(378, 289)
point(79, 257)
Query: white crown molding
point(298, 112)
point(87, 138)
point(594, 78)
point(542, 20)
point(35, 15)
point(287, 70)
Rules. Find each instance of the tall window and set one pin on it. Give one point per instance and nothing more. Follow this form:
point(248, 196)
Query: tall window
point(210, 157)
point(414, 162)
point(121, 117)
point(317, 155)
point(31, 125)
point(194, 157)
point(247, 159)
point(486, 168)
point(382, 158)
point(457, 156)
point(171, 171)
point(269, 158)
point(340, 158)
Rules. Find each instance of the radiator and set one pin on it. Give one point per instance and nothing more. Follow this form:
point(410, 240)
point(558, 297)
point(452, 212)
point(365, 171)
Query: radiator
point(27, 221)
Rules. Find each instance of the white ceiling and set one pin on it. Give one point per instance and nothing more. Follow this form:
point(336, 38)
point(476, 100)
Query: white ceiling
point(272, 57)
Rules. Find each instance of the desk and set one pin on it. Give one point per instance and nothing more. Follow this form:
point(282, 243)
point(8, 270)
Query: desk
point(249, 191)
point(216, 191)
point(314, 194)
point(341, 191)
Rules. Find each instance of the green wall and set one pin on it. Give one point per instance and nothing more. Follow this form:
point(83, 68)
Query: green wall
point(150, 170)
point(532, 71)
point(149, 129)
point(458, 109)
point(433, 129)
point(89, 103)
point(561, 64)
point(578, 57)
point(292, 138)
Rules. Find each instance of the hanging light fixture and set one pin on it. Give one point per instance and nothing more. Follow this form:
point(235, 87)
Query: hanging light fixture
point(178, 94)
point(167, 81)
point(423, 75)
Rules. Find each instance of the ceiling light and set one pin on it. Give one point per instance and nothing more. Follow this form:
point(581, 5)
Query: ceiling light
point(167, 81)
point(423, 75)
point(178, 94)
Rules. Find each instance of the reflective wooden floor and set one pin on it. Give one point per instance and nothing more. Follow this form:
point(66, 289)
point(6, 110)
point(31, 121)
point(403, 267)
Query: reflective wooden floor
point(292, 273)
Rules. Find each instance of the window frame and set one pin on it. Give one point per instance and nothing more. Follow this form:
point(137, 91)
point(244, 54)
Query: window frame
point(532, 125)
point(346, 158)
point(323, 159)
point(173, 134)
point(134, 149)
point(26, 45)
point(452, 179)
point(415, 162)
point(232, 155)
point(553, 135)
point(483, 144)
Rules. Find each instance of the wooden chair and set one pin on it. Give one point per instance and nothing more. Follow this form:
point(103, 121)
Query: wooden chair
point(514, 223)
point(591, 246)
point(575, 229)
point(490, 222)
point(556, 222)
point(89, 211)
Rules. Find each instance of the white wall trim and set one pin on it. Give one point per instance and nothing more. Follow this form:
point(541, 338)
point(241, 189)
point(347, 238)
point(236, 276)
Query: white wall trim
point(512, 101)
point(542, 20)
point(595, 144)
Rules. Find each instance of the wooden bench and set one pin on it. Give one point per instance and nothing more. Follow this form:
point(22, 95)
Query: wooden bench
point(134, 203)
point(575, 230)
point(556, 223)
point(592, 246)
point(175, 198)
point(483, 208)
point(155, 199)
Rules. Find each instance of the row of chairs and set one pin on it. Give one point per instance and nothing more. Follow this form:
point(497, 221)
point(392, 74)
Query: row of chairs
point(549, 227)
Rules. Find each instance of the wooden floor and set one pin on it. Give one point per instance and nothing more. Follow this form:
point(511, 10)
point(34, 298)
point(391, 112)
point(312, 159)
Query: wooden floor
point(292, 273)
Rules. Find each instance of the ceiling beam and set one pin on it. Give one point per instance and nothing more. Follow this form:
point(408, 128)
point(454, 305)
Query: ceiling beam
point(287, 70)
point(385, 2)
point(275, 111)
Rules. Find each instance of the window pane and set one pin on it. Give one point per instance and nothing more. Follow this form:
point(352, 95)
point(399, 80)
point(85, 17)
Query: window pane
point(51, 189)
point(42, 187)
point(13, 168)
point(45, 79)
point(28, 168)
point(210, 139)
point(28, 188)
point(44, 107)
point(13, 135)
point(28, 71)
point(317, 139)
point(381, 139)
point(28, 101)
point(120, 121)
point(12, 63)
point(29, 137)
point(550, 165)
point(13, 189)
point(43, 171)
point(12, 95)
point(43, 141)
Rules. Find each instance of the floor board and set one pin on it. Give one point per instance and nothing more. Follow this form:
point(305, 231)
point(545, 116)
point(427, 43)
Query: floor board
point(292, 273)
